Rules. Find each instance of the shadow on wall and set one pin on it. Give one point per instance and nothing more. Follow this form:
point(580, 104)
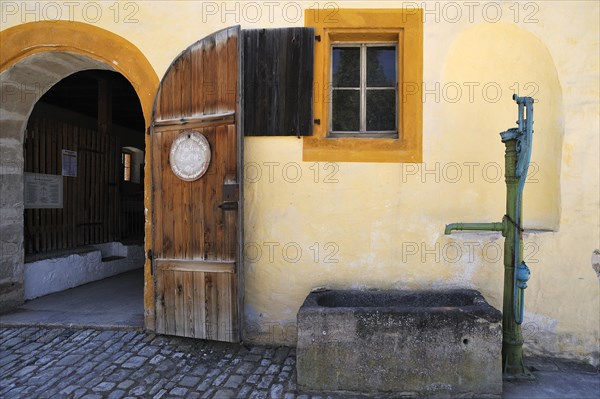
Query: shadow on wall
point(485, 66)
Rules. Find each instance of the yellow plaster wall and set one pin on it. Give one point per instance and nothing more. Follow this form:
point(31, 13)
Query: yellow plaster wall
point(383, 223)
point(484, 66)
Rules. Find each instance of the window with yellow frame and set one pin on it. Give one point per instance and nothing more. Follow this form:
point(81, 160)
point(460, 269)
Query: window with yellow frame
point(368, 73)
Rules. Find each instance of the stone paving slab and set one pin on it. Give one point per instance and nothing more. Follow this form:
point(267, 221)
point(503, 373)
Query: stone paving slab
point(115, 364)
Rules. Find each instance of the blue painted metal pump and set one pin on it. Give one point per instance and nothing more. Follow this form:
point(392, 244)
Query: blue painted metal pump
point(518, 141)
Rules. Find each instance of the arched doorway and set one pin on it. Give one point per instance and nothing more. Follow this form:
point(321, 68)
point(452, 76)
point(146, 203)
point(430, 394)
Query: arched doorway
point(35, 57)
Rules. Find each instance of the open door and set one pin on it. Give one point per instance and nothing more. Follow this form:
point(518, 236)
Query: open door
point(196, 156)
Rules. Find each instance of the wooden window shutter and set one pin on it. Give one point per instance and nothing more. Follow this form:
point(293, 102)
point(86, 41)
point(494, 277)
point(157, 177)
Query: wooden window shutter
point(277, 81)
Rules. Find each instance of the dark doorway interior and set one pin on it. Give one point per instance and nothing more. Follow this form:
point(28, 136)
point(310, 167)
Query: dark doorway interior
point(97, 117)
point(80, 93)
point(88, 134)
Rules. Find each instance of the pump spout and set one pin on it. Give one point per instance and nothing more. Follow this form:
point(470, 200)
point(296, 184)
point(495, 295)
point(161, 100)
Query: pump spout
point(495, 226)
point(516, 273)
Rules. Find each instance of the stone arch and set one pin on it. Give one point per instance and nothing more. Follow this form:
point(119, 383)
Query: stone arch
point(486, 64)
point(42, 53)
point(34, 57)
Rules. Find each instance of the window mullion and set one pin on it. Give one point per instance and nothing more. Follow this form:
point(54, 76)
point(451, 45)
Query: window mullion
point(363, 88)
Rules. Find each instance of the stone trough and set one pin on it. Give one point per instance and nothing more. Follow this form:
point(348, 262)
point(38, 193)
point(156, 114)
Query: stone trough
point(406, 343)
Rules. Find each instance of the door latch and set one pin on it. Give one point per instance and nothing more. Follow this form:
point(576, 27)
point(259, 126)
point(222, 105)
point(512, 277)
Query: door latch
point(228, 205)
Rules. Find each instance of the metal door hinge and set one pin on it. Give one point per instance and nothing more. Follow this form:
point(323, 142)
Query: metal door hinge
point(150, 256)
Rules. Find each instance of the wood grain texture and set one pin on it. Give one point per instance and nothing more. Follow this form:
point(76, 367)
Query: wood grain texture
point(90, 200)
point(196, 304)
point(200, 121)
point(195, 268)
point(198, 265)
point(278, 82)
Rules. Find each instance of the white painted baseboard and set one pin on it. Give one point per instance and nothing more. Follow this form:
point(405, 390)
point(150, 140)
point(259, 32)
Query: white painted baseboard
point(46, 276)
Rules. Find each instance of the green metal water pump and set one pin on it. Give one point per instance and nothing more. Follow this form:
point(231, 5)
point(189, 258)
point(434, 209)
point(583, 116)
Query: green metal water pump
point(516, 273)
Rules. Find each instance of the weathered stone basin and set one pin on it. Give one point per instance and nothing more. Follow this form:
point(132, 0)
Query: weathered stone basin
point(414, 343)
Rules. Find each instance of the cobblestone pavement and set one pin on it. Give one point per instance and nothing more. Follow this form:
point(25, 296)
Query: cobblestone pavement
point(93, 364)
point(90, 364)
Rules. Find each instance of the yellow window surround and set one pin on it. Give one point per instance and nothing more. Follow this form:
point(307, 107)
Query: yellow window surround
point(403, 26)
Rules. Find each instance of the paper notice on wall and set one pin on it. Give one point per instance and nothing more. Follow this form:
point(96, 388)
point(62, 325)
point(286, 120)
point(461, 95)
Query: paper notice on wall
point(69, 163)
point(43, 191)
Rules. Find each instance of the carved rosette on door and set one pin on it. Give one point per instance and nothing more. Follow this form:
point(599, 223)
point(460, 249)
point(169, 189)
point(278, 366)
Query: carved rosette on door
point(190, 156)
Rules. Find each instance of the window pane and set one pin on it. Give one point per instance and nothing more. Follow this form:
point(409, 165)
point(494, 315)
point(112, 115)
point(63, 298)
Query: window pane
point(381, 110)
point(345, 111)
point(126, 166)
point(381, 67)
point(345, 65)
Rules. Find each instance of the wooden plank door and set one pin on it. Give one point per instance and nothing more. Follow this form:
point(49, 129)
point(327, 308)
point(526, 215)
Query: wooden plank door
point(197, 221)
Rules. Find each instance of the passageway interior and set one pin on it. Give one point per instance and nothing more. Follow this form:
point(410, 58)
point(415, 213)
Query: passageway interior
point(115, 302)
point(84, 211)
